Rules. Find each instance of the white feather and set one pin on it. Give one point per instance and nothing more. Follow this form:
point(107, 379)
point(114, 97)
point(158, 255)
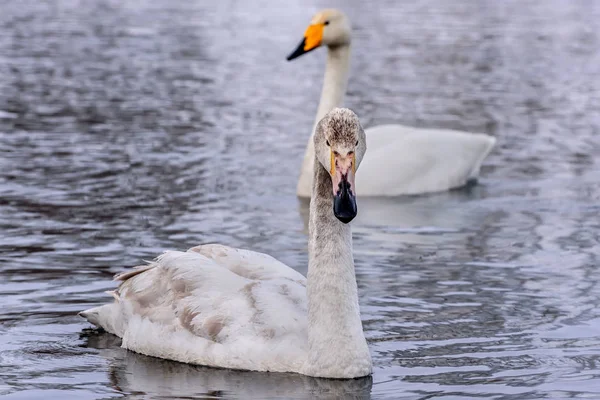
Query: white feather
point(213, 305)
point(404, 160)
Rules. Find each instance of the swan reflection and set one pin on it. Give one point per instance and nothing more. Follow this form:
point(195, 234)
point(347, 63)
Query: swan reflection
point(147, 378)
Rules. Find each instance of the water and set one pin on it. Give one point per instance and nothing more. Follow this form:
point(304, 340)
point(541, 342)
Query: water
point(131, 127)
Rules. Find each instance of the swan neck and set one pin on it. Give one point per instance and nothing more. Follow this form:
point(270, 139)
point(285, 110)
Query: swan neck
point(334, 81)
point(335, 334)
point(332, 96)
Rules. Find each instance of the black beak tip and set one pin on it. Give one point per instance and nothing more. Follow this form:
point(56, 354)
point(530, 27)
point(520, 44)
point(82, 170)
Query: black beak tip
point(344, 207)
point(345, 218)
point(298, 52)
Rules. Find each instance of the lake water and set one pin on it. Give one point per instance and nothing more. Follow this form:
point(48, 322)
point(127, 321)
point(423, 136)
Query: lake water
point(130, 127)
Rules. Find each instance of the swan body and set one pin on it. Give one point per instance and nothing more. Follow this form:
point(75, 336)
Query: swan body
point(425, 161)
point(401, 160)
point(223, 307)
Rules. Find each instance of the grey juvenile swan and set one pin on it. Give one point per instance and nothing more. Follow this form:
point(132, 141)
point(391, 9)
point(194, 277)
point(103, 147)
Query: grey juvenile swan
point(223, 307)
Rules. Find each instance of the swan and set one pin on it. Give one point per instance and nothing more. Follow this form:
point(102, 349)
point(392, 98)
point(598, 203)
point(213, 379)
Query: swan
point(223, 307)
point(401, 160)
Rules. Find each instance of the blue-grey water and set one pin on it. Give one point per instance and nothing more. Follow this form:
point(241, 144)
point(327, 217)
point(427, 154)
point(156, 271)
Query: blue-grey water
point(128, 127)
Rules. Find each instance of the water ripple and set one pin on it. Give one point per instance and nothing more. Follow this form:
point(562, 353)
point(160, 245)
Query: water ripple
point(128, 128)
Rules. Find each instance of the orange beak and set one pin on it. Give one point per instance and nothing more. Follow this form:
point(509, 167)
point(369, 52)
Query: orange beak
point(313, 36)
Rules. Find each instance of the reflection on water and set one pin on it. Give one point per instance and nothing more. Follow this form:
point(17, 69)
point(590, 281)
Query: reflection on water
point(139, 375)
point(128, 128)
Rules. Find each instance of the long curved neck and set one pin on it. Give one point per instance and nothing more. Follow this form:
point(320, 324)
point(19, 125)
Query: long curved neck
point(335, 334)
point(334, 81)
point(332, 95)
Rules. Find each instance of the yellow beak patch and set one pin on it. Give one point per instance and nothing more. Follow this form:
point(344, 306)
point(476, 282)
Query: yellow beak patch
point(332, 170)
point(332, 158)
point(313, 36)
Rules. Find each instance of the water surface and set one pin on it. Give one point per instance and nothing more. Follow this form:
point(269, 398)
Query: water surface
point(131, 127)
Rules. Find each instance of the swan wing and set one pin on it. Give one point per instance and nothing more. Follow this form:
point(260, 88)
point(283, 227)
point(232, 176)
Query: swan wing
point(249, 264)
point(188, 307)
point(405, 160)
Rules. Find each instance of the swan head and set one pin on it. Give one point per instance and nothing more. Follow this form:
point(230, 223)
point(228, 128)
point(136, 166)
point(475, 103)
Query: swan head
point(340, 145)
point(328, 27)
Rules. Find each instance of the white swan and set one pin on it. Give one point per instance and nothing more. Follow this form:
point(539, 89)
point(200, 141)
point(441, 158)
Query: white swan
point(223, 307)
point(401, 159)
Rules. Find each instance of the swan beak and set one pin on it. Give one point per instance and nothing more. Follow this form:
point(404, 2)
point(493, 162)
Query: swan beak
point(312, 39)
point(344, 189)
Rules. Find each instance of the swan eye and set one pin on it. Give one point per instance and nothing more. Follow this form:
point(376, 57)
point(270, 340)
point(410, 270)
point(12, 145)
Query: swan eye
point(328, 145)
point(326, 22)
point(356, 143)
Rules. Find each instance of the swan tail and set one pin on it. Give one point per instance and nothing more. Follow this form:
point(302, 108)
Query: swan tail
point(105, 317)
point(488, 144)
point(94, 315)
